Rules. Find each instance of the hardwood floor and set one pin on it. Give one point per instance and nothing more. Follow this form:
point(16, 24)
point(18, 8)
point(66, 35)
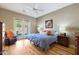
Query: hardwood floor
point(24, 47)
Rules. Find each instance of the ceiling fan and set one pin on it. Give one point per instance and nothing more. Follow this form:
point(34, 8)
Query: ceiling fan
point(35, 8)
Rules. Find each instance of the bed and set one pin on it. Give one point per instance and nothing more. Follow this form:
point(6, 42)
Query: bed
point(42, 40)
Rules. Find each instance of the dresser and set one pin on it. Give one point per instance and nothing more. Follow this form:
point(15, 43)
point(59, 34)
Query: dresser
point(0, 38)
point(63, 40)
point(77, 45)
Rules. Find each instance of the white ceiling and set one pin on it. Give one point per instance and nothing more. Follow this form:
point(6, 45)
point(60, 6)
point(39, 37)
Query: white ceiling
point(27, 8)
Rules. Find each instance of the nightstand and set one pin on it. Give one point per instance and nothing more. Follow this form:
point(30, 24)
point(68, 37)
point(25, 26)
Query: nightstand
point(63, 40)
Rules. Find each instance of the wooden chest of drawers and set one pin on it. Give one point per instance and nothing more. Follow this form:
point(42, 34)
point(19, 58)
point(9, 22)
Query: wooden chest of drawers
point(63, 40)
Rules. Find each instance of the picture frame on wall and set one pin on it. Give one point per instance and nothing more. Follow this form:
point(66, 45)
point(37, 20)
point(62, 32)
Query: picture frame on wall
point(49, 23)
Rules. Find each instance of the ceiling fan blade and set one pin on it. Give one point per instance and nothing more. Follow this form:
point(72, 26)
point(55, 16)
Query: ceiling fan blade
point(36, 6)
point(40, 10)
point(29, 8)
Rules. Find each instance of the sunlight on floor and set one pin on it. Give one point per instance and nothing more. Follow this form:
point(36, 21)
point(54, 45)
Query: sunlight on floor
point(20, 43)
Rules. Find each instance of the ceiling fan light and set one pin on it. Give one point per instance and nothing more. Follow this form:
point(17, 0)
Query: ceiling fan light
point(23, 11)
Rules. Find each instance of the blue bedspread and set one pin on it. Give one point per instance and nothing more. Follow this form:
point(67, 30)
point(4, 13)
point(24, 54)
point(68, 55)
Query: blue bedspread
point(42, 40)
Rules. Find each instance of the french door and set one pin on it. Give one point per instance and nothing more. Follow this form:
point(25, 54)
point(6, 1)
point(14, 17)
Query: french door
point(21, 28)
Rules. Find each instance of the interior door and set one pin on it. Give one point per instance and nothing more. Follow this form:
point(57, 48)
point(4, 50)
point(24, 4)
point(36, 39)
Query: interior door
point(0, 38)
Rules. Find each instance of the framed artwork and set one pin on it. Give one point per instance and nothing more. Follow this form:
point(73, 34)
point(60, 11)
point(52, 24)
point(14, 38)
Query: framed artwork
point(49, 24)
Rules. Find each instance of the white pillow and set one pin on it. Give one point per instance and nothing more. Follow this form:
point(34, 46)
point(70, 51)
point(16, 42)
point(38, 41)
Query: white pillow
point(43, 32)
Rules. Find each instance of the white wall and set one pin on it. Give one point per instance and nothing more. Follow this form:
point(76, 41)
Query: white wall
point(67, 17)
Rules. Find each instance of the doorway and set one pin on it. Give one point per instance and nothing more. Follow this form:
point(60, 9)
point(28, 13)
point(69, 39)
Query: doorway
point(0, 38)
